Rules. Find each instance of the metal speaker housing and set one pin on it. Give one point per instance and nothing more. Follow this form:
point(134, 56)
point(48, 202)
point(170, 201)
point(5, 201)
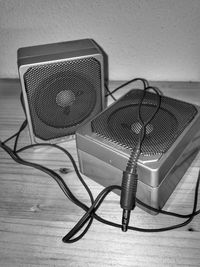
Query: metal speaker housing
point(62, 86)
point(171, 143)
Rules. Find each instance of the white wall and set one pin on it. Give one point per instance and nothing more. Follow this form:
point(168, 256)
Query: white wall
point(154, 39)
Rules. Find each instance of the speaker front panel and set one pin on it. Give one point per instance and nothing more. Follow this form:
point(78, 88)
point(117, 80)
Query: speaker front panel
point(62, 95)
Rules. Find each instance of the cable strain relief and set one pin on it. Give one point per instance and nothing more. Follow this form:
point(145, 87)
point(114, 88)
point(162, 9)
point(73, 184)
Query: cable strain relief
point(133, 159)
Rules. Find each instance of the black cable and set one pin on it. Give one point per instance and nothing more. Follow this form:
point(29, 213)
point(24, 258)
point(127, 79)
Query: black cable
point(54, 175)
point(90, 212)
point(22, 127)
point(144, 81)
point(109, 93)
point(96, 204)
point(64, 187)
point(101, 197)
point(105, 192)
point(130, 176)
point(48, 171)
point(69, 156)
point(189, 216)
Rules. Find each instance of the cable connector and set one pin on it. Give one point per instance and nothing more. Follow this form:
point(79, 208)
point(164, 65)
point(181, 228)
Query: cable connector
point(128, 196)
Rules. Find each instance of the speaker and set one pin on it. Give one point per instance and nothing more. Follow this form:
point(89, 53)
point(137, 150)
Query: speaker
point(171, 143)
point(62, 86)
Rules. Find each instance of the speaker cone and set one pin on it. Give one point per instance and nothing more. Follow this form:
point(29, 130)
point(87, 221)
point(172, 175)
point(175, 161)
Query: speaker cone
point(64, 100)
point(124, 126)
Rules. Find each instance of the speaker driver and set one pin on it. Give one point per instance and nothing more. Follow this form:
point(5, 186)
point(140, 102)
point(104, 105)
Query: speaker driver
point(120, 123)
point(124, 127)
point(64, 100)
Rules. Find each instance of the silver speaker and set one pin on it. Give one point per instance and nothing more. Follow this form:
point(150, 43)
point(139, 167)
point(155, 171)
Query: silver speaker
point(62, 86)
point(171, 143)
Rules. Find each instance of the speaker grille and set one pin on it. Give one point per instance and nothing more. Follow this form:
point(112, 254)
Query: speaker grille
point(61, 95)
point(120, 124)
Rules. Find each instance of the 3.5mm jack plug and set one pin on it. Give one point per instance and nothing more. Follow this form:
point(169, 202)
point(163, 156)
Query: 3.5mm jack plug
point(128, 196)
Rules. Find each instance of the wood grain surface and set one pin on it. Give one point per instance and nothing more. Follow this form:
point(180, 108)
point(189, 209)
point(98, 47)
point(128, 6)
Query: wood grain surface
point(35, 214)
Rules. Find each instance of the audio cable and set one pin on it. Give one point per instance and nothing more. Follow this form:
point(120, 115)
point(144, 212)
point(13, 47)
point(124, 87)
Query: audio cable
point(127, 201)
point(144, 82)
point(130, 175)
point(90, 213)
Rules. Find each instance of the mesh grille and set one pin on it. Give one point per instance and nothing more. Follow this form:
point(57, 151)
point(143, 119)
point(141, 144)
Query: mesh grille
point(119, 123)
point(62, 95)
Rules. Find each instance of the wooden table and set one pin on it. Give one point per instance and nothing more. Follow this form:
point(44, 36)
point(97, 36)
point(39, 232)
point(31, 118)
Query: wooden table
point(35, 214)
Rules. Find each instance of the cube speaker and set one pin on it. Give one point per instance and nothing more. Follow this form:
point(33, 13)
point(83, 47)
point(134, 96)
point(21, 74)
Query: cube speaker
point(62, 86)
point(171, 143)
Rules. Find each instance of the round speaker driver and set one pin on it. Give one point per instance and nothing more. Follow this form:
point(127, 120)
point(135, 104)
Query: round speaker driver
point(64, 99)
point(124, 127)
